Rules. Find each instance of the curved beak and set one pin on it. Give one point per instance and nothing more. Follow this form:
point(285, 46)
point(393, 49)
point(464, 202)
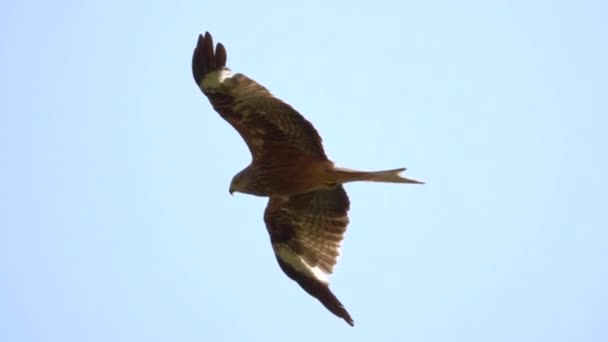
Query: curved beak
point(231, 191)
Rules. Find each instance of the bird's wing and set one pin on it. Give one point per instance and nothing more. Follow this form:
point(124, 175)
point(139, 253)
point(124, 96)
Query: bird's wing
point(269, 126)
point(305, 232)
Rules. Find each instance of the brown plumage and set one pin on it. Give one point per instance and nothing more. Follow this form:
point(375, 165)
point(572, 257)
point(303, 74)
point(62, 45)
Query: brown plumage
point(287, 152)
point(305, 232)
point(306, 215)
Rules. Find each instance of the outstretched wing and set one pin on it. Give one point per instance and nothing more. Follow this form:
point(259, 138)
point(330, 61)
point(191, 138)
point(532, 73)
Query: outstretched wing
point(305, 232)
point(270, 127)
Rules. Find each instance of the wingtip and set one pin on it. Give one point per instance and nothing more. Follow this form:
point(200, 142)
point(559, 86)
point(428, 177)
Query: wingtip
point(319, 290)
point(349, 320)
point(331, 302)
point(205, 58)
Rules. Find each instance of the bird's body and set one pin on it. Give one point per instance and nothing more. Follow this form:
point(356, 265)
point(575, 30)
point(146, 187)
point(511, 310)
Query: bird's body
point(306, 215)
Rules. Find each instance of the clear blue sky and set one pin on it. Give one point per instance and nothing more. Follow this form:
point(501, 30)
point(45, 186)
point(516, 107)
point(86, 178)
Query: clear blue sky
point(115, 218)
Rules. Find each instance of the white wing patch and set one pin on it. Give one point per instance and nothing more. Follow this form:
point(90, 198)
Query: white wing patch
point(299, 264)
point(216, 79)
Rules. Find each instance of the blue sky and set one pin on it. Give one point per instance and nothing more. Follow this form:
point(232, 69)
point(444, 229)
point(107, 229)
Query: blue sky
point(115, 219)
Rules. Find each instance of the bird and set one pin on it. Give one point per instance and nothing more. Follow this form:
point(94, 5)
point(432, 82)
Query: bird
point(307, 211)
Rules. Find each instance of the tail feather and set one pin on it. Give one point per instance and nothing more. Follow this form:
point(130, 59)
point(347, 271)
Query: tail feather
point(387, 176)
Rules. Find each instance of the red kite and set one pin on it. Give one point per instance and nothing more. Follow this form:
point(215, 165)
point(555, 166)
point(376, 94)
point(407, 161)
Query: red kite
point(306, 215)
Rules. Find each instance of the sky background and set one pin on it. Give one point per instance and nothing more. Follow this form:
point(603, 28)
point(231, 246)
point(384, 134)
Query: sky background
point(115, 218)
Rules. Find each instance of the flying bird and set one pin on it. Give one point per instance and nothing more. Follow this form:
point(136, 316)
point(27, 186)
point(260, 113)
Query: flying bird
point(307, 211)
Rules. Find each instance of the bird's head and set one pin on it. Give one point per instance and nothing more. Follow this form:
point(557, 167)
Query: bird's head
point(248, 182)
point(240, 182)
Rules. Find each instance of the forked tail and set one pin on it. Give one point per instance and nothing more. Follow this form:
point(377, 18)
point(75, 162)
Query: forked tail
point(387, 176)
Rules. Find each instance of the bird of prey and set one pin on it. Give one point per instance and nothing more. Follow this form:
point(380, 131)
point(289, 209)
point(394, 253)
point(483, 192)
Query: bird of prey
point(306, 215)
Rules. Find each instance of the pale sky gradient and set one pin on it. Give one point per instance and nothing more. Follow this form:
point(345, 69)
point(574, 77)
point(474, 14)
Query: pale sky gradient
point(115, 218)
